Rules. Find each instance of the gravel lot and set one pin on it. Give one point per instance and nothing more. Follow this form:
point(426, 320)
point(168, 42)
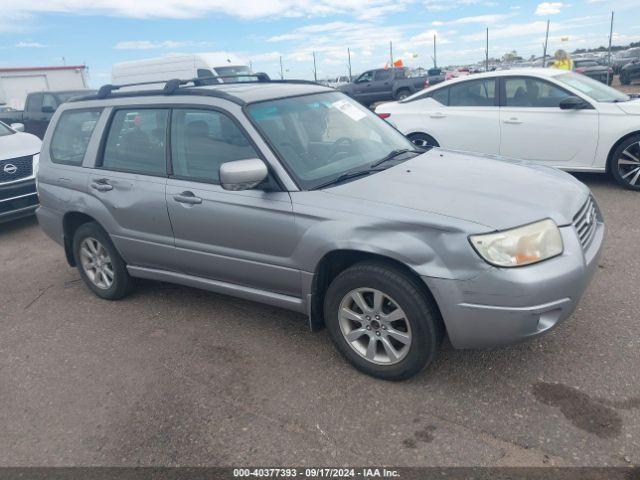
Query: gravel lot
point(177, 376)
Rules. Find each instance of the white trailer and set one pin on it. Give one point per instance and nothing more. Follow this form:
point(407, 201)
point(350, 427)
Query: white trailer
point(16, 83)
point(197, 65)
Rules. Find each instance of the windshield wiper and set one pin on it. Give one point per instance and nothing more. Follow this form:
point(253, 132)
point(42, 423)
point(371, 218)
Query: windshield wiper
point(346, 176)
point(393, 154)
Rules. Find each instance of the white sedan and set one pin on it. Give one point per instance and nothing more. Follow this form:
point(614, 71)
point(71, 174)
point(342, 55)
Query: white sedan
point(19, 155)
point(548, 116)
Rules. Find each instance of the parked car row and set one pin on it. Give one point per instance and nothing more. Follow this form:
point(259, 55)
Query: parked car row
point(547, 116)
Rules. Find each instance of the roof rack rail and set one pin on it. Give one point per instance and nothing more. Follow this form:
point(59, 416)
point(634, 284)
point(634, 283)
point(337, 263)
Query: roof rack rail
point(173, 85)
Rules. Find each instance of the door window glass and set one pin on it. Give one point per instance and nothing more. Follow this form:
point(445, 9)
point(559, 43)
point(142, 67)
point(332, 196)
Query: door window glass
point(136, 142)
point(382, 75)
point(472, 93)
point(531, 92)
point(202, 140)
point(50, 102)
point(441, 96)
point(365, 77)
point(72, 134)
point(34, 102)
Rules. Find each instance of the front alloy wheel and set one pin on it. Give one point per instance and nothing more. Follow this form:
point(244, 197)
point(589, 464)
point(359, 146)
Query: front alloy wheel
point(374, 326)
point(626, 163)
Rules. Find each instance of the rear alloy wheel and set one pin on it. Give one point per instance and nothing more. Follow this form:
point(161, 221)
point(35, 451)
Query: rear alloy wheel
point(423, 140)
point(402, 94)
point(99, 263)
point(625, 163)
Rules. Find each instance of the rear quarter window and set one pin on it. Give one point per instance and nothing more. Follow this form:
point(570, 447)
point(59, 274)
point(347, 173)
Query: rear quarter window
point(72, 134)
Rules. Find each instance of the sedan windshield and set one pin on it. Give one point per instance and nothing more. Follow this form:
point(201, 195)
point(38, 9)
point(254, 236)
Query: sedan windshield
point(4, 130)
point(598, 91)
point(321, 137)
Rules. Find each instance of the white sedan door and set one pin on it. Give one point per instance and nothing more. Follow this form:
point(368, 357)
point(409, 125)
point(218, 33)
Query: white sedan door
point(533, 127)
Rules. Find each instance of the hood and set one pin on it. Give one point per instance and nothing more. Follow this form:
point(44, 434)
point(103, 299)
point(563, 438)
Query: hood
point(19, 145)
point(632, 107)
point(496, 193)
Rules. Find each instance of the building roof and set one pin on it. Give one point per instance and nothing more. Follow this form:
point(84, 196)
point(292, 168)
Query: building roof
point(29, 69)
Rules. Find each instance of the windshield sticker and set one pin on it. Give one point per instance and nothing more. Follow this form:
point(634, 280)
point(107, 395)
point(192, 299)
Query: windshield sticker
point(349, 109)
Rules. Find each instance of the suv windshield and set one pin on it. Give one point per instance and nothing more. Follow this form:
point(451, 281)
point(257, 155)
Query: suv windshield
point(598, 91)
point(321, 137)
point(4, 130)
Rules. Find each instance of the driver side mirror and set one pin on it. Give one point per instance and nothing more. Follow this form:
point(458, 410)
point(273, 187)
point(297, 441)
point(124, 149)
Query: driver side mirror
point(573, 103)
point(242, 174)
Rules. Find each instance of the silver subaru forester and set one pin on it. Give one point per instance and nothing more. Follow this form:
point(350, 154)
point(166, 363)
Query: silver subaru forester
point(294, 195)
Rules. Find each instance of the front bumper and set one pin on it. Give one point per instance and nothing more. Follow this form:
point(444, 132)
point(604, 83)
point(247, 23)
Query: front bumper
point(18, 199)
point(508, 305)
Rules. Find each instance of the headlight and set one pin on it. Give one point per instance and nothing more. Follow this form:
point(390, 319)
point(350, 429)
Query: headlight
point(520, 246)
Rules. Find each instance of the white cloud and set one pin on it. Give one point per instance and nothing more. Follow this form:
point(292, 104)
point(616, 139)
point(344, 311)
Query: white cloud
point(29, 45)
point(549, 8)
point(482, 19)
point(150, 45)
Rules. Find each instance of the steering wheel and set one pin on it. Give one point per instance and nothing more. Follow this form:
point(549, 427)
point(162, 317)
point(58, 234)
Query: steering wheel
point(343, 145)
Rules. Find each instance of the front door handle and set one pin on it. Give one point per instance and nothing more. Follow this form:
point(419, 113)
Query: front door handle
point(188, 198)
point(513, 121)
point(101, 185)
point(437, 115)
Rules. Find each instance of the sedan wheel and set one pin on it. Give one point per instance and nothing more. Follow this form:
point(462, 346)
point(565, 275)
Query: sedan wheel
point(626, 163)
point(374, 326)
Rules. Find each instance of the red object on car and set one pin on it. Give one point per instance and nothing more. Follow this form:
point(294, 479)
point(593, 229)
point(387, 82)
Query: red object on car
point(384, 115)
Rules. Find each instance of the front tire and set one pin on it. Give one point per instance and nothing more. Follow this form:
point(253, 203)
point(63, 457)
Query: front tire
point(100, 265)
point(402, 94)
point(381, 320)
point(625, 163)
point(423, 140)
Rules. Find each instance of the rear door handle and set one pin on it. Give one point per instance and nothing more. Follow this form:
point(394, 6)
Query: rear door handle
point(188, 198)
point(101, 185)
point(513, 121)
point(437, 115)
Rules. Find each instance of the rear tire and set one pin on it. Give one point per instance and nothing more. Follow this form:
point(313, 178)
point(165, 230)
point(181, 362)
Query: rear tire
point(625, 163)
point(100, 265)
point(423, 140)
point(402, 94)
point(395, 333)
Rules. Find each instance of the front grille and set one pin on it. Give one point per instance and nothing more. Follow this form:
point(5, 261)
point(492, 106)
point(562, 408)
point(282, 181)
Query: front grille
point(23, 169)
point(586, 221)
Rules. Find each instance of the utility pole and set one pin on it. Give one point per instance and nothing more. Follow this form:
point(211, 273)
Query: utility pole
point(390, 54)
point(315, 71)
point(486, 53)
point(609, 53)
point(546, 42)
point(281, 70)
point(349, 60)
point(435, 61)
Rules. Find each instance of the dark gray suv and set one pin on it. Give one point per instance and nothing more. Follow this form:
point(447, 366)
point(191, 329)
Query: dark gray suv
point(294, 195)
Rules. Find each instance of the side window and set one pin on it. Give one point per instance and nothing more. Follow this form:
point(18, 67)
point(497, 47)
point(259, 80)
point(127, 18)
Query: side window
point(365, 77)
point(382, 75)
point(202, 140)
point(532, 93)
point(34, 102)
point(472, 93)
point(72, 134)
point(136, 142)
point(441, 95)
point(49, 103)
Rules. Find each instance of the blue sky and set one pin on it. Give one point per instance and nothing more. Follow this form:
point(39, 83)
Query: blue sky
point(102, 32)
